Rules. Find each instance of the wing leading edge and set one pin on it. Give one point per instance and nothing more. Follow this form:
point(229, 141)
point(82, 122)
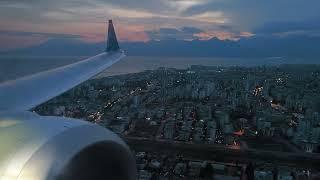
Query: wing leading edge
point(30, 91)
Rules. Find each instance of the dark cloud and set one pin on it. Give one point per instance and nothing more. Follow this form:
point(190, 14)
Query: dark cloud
point(235, 16)
point(191, 30)
point(38, 12)
point(308, 26)
point(253, 13)
point(244, 14)
point(154, 6)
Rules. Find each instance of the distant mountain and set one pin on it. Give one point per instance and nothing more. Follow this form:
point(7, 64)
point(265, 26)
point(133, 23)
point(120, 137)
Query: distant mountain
point(258, 46)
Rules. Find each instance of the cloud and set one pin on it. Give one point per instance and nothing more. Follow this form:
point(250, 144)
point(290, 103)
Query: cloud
point(210, 17)
point(249, 14)
point(185, 33)
point(192, 30)
point(85, 11)
point(308, 27)
point(46, 35)
point(164, 7)
point(87, 18)
point(143, 20)
point(133, 34)
point(130, 13)
point(152, 6)
point(182, 5)
point(244, 14)
point(193, 33)
point(223, 35)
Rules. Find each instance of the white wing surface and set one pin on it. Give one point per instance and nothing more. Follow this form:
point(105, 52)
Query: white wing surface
point(28, 92)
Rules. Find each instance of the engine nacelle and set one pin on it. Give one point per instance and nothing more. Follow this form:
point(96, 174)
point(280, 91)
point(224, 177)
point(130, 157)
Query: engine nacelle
point(35, 147)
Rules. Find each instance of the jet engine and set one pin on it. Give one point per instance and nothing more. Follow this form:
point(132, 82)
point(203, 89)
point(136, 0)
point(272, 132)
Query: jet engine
point(37, 147)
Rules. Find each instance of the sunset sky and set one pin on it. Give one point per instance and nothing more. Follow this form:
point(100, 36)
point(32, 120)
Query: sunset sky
point(25, 23)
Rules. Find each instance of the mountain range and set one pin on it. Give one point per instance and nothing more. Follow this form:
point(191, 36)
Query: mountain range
point(256, 46)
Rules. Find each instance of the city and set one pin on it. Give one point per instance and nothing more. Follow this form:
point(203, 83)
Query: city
point(171, 117)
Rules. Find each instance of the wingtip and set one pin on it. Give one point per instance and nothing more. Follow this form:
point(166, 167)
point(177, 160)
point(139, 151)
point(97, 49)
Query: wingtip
point(112, 42)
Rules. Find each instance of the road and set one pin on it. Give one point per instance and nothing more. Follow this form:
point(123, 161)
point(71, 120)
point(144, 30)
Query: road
point(222, 153)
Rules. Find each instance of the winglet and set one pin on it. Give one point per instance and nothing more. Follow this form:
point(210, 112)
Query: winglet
point(112, 43)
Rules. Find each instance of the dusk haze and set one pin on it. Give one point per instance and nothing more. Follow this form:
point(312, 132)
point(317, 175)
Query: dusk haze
point(159, 90)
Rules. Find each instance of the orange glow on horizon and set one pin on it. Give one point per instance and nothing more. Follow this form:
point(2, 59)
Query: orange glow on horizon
point(221, 35)
point(97, 33)
point(246, 34)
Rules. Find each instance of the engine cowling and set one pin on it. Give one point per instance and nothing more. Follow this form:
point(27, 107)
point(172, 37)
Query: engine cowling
point(37, 147)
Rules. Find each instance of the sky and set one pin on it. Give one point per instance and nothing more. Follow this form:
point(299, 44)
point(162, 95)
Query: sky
point(25, 23)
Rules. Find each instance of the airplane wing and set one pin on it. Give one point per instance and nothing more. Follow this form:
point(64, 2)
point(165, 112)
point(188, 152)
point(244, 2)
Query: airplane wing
point(28, 92)
point(63, 148)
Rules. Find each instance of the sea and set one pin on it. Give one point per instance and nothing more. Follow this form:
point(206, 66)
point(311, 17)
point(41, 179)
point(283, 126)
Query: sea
point(15, 67)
